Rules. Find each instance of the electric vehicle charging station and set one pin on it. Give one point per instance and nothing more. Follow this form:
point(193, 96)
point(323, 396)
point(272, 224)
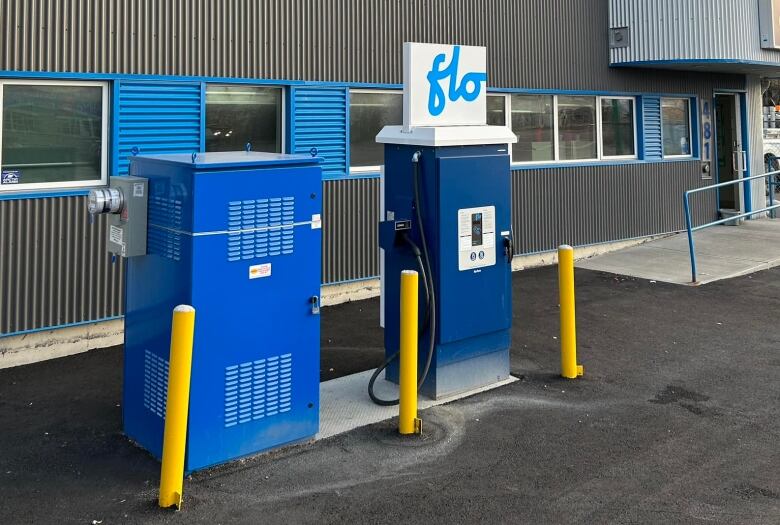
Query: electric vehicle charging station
point(238, 236)
point(446, 192)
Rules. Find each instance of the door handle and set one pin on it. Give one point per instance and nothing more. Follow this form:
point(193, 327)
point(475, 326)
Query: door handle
point(509, 248)
point(315, 305)
point(734, 162)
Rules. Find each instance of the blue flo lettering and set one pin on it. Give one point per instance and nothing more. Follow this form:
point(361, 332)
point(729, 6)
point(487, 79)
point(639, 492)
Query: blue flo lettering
point(468, 89)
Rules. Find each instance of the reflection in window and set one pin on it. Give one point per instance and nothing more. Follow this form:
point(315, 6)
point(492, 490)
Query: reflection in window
point(368, 114)
point(676, 120)
point(51, 133)
point(532, 122)
point(496, 110)
point(240, 114)
point(617, 127)
point(577, 128)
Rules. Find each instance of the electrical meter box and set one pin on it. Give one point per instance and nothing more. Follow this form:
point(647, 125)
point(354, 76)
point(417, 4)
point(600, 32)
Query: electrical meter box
point(464, 196)
point(127, 228)
point(237, 236)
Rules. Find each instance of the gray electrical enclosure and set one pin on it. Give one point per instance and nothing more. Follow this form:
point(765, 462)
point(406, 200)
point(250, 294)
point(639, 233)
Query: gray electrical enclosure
point(127, 229)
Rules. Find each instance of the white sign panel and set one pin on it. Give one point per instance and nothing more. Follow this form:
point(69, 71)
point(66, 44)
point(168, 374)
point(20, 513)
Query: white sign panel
point(444, 85)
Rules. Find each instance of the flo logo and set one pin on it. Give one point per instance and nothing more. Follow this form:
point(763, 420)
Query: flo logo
point(468, 88)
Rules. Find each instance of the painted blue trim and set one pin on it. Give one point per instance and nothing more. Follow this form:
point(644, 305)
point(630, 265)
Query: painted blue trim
point(202, 139)
point(695, 127)
point(44, 194)
point(61, 326)
point(597, 163)
point(289, 121)
point(42, 75)
point(348, 130)
point(114, 123)
point(694, 61)
point(555, 165)
point(748, 191)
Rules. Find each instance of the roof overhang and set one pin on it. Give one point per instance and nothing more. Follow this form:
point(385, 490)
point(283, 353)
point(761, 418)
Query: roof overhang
point(743, 67)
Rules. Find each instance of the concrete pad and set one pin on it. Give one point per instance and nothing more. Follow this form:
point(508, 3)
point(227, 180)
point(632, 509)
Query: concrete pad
point(722, 252)
point(345, 405)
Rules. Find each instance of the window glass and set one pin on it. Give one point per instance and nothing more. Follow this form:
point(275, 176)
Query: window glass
point(676, 120)
point(51, 134)
point(617, 127)
point(577, 128)
point(532, 122)
point(368, 114)
point(237, 115)
point(496, 110)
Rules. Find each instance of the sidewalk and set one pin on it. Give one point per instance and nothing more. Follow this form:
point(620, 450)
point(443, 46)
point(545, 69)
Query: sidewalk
point(722, 252)
point(674, 421)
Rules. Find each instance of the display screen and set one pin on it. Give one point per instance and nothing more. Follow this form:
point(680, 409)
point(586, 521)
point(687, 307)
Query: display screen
point(476, 229)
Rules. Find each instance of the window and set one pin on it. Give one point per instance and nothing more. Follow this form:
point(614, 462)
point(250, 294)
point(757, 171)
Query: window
point(618, 133)
point(533, 123)
point(52, 134)
point(577, 128)
point(496, 110)
point(569, 128)
point(369, 112)
point(239, 115)
point(676, 127)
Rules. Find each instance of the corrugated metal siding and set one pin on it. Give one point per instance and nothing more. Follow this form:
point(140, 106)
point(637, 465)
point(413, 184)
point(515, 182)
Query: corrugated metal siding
point(557, 44)
point(350, 219)
point(652, 129)
point(319, 121)
point(544, 44)
point(588, 205)
point(54, 269)
point(157, 117)
point(689, 29)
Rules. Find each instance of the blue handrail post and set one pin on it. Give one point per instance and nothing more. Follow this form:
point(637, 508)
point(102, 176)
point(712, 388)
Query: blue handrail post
point(772, 195)
point(687, 207)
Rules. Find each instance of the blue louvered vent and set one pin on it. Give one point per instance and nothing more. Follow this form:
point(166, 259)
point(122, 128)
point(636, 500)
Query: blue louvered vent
point(155, 383)
point(653, 136)
point(270, 224)
point(165, 212)
point(258, 389)
point(320, 122)
point(157, 117)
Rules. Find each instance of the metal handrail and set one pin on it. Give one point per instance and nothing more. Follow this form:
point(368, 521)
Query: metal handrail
point(686, 204)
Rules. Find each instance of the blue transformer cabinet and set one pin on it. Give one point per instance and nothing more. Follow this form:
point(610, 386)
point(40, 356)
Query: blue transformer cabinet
point(464, 197)
point(237, 236)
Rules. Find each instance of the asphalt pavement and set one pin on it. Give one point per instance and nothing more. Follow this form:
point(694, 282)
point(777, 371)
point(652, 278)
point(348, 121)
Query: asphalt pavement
point(675, 421)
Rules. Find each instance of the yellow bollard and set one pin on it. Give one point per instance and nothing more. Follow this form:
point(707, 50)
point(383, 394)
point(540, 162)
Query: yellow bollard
point(176, 407)
point(408, 423)
point(569, 367)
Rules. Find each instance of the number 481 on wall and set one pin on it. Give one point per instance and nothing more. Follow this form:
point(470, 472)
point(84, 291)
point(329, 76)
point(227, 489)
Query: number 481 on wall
point(706, 131)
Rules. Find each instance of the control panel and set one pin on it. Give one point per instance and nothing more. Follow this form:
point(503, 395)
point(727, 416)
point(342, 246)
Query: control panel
point(476, 237)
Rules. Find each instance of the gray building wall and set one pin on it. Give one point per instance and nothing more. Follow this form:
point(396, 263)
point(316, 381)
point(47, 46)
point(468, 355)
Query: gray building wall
point(533, 44)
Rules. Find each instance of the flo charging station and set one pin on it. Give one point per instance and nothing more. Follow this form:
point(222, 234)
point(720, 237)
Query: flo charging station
point(445, 194)
point(237, 235)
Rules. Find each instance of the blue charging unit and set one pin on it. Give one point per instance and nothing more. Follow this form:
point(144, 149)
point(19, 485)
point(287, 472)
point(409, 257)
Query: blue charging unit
point(464, 193)
point(237, 236)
